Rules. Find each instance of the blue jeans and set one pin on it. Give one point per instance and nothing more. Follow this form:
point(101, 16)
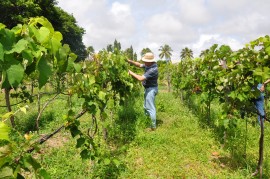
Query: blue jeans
point(259, 104)
point(149, 104)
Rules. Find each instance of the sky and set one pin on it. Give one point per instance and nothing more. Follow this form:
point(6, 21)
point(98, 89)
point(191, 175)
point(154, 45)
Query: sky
point(196, 24)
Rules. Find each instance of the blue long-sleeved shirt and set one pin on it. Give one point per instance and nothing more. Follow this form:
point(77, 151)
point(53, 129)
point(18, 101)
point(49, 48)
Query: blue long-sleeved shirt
point(151, 76)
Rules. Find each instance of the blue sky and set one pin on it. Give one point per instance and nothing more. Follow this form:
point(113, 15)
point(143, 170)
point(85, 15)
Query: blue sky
point(196, 24)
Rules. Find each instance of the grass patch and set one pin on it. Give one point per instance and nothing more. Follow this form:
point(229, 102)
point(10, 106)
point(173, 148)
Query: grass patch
point(182, 147)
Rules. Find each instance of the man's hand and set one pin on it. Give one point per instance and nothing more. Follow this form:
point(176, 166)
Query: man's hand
point(137, 64)
point(263, 85)
point(131, 73)
point(138, 77)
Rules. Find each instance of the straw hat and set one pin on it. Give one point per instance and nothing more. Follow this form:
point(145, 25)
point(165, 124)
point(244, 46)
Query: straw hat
point(148, 57)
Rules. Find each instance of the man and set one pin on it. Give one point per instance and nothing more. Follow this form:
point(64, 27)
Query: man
point(149, 81)
point(259, 102)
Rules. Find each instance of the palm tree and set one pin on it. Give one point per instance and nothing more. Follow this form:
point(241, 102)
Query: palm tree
point(204, 53)
point(165, 52)
point(186, 53)
point(145, 50)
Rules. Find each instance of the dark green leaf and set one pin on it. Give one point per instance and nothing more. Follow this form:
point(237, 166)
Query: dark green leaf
point(4, 83)
point(62, 60)
point(80, 142)
point(45, 71)
point(15, 72)
point(19, 176)
point(30, 69)
point(74, 131)
point(30, 160)
point(27, 54)
point(85, 154)
point(7, 40)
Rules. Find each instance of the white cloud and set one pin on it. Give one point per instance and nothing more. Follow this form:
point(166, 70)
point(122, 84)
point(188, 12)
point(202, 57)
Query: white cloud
point(163, 27)
point(196, 24)
point(242, 25)
point(167, 29)
point(120, 10)
point(164, 22)
point(194, 12)
point(207, 40)
point(233, 7)
point(103, 22)
point(83, 9)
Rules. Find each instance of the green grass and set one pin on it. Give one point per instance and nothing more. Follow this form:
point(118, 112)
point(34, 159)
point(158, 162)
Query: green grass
point(183, 146)
point(179, 148)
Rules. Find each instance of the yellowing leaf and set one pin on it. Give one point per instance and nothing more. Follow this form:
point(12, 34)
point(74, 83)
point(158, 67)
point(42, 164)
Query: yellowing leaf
point(4, 130)
point(27, 136)
point(7, 115)
point(23, 109)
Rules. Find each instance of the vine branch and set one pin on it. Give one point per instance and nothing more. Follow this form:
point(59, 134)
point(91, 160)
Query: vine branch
point(41, 111)
point(48, 136)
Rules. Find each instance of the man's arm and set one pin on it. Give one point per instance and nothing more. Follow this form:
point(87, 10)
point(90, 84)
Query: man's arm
point(263, 85)
point(138, 77)
point(137, 64)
